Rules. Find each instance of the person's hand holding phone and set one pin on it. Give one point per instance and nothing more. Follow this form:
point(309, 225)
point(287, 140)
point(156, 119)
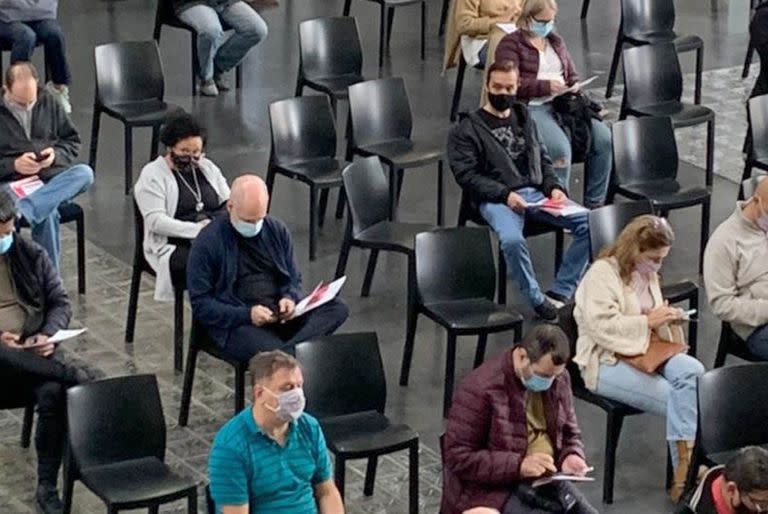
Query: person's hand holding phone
point(286, 307)
point(46, 157)
point(26, 164)
point(261, 315)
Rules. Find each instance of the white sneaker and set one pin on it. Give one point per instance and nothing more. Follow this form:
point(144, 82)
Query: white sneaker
point(61, 95)
point(553, 301)
point(209, 89)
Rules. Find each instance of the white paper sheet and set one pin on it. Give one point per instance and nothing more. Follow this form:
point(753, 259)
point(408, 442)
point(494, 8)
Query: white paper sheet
point(576, 87)
point(321, 295)
point(563, 477)
point(58, 337)
point(508, 28)
point(26, 186)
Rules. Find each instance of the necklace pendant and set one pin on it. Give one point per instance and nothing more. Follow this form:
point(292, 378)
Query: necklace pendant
point(199, 206)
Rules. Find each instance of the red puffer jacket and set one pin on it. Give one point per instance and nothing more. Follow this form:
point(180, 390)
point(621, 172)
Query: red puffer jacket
point(486, 438)
point(515, 47)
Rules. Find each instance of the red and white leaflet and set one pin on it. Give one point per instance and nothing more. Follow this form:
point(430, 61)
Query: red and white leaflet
point(321, 295)
point(26, 186)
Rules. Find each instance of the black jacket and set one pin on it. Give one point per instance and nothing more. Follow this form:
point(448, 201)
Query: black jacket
point(700, 501)
point(39, 287)
point(51, 126)
point(484, 169)
point(758, 34)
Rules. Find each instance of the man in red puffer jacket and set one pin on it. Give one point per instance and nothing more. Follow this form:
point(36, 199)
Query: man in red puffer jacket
point(512, 421)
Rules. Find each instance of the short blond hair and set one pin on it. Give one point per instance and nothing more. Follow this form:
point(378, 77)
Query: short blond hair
point(531, 8)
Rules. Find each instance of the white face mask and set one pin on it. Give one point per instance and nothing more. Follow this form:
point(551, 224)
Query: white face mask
point(290, 404)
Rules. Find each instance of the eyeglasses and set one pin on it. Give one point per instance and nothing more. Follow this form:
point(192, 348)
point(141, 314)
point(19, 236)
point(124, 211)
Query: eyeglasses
point(760, 506)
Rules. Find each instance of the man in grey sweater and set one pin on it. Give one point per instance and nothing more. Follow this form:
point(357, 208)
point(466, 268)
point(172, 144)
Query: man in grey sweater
point(27, 23)
point(736, 271)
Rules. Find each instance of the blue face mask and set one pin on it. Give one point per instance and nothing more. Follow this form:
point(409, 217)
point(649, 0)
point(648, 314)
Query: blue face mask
point(542, 28)
point(5, 243)
point(248, 230)
point(537, 383)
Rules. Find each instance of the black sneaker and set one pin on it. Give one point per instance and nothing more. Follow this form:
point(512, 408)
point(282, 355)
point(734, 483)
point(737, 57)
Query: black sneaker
point(546, 311)
point(47, 500)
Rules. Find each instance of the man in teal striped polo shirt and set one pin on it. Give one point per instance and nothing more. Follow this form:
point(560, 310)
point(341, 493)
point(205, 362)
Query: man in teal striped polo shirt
point(272, 459)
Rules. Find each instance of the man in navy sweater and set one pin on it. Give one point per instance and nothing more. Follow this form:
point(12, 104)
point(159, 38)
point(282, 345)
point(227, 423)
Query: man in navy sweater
point(244, 283)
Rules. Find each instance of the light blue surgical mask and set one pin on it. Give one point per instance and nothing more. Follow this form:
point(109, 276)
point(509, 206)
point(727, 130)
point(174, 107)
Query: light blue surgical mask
point(537, 383)
point(247, 229)
point(5, 243)
point(542, 28)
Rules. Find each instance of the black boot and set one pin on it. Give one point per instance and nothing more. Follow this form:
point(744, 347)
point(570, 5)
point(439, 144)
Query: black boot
point(47, 499)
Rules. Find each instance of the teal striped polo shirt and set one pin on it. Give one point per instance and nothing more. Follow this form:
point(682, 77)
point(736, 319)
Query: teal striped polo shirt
point(247, 466)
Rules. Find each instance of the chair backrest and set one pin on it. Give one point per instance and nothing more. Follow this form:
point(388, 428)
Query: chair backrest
point(343, 374)
point(606, 223)
point(567, 323)
point(330, 47)
point(302, 129)
point(114, 420)
point(455, 264)
point(367, 191)
point(128, 71)
point(648, 16)
point(749, 185)
point(644, 149)
point(652, 75)
point(758, 126)
point(729, 416)
point(379, 111)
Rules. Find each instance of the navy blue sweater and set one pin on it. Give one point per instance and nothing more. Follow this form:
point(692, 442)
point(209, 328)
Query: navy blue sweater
point(212, 273)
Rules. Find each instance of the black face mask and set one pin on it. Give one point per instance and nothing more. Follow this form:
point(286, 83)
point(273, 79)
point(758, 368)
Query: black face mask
point(501, 102)
point(183, 162)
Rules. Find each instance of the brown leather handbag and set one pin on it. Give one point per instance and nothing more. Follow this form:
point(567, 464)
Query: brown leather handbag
point(658, 353)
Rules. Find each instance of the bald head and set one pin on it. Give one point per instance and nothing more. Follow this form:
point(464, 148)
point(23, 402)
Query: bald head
point(248, 199)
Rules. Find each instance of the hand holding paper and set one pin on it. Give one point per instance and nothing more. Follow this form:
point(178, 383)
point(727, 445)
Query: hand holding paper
point(58, 337)
point(321, 295)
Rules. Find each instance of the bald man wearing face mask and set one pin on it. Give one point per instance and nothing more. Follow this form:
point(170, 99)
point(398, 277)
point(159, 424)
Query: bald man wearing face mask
point(244, 283)
point(736, 271)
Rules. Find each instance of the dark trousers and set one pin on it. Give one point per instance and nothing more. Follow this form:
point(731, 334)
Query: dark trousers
point(26, 376)
point(24, 36)
point(247, 340)
point(516, 506)
point(178, 265)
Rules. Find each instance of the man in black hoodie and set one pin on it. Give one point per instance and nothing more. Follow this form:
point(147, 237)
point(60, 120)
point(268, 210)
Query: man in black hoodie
point(498, 159)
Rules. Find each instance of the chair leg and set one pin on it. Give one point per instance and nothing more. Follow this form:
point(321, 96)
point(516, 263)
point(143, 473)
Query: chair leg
point(390, 24)
point(322, 207)
point(450, 369)
point(705, 208)
point(68, 481)
point(443, 17)
point(341, 202)
point(710, 164)
point(440, 192)
point(584, 8)
point(346, 246)
point(612, 433)
point(192, 502)
point(614, 64)
point(299, 86)
point(155, 144)
point(80, 228)
point(128, 158)
point(693, 328)
point(95, 123)
point(189, 377)
point(699, 71)
point(133, 302)
point(382, 34)
point(392, 192)
point(502, 278)
point(26, 426)
point(339, 475)
point(411, 317)
point(178, 329)
point(347, 7)
point(195, 64)
point(239, 76)
point(370, 476)
point(457, 89)
point(559, 244)
point(413, 478)
point(722, 350)
point(270, 183)
point(240, 388)
point(369, 270)
point(748, 59)
point(154, 509)
point(423, 29)
point(312, 223)
point(482, 341)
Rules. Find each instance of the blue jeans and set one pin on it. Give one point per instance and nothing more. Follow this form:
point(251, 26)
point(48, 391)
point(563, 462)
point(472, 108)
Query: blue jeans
point(599, 158)
point(217, 54)
point(670, 393)
point(509, 224)
point(41, 208)
point(757, 342)
point(24, 36)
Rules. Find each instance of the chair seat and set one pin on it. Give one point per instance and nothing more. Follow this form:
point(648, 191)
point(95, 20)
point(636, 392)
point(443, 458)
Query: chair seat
point(472, 315)
point(683, 43)
point(325, 171)
point(145, 112)
point(135, 481)
point(397, 3)
point(678, 292)
point(336, 86)
point(405, 153)
point(392, 235)
point(682, 114)
point(604, 403)
point(666, 194)
point(365, 433)
point(537, 228)
point(70, 211)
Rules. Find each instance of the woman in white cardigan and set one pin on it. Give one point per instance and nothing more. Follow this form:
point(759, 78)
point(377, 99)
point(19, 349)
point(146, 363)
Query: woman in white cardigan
point(618, 305)
point(178, 194)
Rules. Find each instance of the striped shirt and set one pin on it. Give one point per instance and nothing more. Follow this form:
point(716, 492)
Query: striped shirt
point(248, 467)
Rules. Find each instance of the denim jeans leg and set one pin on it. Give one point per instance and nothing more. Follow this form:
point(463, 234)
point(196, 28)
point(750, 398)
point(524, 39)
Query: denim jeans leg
point(599, 161)
point(46, 234)
point(23, 40)
point(557, 145)
point(210, 35)
point(757, 342)
point(50, 34)
point(509, 226)
point(250, 29)
point(681, 371)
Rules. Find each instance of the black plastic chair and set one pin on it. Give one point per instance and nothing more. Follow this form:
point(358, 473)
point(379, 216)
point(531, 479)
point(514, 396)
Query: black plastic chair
point(605, 225)
point(304, 149)
point(116, 433)
point(753, 4)
point(455, 287)
point(130, 88)
point(330, 57)
point(200, 341)
point(646, 167)
point(757, 136)
point(387, 17)
point(140, 265)
point(380, 124)
point(165, 15)
point(615, 411)
point(652, 21)
point(731, 344)
point(71, 212)
point(653, 85)
point(350, 406)
point(727, 417)
point(467, 212)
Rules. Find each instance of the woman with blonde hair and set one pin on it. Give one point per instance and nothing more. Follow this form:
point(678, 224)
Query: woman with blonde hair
point(621, 314)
